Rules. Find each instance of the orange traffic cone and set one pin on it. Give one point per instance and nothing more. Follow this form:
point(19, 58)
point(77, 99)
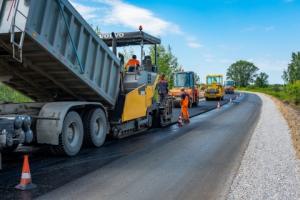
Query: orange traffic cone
point(180, 122)
point(218, 105)
point(26, 183)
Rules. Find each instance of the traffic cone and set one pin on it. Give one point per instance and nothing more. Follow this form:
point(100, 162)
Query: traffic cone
point(26, 183)
point(218, 105)
point(180, 122)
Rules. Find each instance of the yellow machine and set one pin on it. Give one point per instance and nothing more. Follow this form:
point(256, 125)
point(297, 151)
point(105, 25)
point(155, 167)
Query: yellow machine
point(136, 108)
point(214, 89)
point(137, 103)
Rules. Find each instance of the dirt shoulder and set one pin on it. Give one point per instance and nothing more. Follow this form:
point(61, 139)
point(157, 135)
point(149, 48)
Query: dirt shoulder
point(292, 116)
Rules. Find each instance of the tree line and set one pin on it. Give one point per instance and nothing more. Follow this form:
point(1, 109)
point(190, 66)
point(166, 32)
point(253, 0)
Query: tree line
point(245, 73)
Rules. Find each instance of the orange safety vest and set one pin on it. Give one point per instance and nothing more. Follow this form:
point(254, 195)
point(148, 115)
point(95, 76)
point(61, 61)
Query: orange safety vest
point(185, 108)
point(132, 63)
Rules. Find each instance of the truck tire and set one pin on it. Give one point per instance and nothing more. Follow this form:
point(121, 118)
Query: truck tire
point(95, 127)
point(71, 138)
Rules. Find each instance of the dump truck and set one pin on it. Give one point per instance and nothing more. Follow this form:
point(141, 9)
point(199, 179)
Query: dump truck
point(186, 81)
point(229, 87)
point(214, 87)
point(78, 85)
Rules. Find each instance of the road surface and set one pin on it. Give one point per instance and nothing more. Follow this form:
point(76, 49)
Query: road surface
point(197, 161)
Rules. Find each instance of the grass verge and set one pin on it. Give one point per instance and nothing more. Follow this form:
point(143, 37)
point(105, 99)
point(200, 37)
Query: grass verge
point(9, 95)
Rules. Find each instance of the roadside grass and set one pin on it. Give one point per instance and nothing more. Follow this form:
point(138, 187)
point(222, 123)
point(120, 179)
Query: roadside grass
point(287, 93)
point(7, 94)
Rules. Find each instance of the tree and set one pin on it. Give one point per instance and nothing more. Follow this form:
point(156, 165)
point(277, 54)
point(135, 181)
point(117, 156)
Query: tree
point(242, 72)
point(292, 74)
point(262, 80)
point(127, 52)
point(197, 79)
point(167, 62)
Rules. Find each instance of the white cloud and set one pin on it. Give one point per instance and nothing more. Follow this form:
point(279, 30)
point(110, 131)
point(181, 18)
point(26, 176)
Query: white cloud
point(87, 12)
point(120, 13)
point(192, 42)
point(131, 16)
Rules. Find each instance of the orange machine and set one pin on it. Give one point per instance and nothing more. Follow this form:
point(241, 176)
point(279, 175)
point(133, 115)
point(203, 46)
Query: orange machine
point(185, 80)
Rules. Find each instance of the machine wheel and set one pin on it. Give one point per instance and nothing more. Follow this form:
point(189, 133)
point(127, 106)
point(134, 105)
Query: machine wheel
point(71, 138)
point(190, 103)
point(156, 122)
point(195, 104)
point(150, 120)
point(95, 127)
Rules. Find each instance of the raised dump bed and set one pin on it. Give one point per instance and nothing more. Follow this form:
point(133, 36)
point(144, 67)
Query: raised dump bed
point(57, 56)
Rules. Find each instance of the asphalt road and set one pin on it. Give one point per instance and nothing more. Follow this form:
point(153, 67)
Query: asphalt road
point(193, 162)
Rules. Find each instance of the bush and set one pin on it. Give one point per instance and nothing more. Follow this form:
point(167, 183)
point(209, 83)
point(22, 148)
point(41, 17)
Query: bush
point(293, 91)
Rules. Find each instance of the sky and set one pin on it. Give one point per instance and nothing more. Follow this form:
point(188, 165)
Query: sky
point(207, 36)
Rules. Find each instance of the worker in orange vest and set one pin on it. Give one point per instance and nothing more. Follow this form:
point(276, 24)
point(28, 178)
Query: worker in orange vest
point(132, 64)
point(185, 106)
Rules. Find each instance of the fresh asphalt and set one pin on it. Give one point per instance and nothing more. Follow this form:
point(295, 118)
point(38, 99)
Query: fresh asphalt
point(197, 161)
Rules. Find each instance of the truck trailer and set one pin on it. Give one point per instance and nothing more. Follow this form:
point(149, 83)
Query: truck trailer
point(78, 85)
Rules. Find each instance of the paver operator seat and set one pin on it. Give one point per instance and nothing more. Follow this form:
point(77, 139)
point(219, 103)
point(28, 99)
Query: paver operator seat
point(146, 74)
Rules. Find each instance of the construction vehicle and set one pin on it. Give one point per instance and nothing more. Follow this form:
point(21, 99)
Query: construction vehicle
point(229, 87)
point(186, 81)
point(214, 87)
point(81, 93)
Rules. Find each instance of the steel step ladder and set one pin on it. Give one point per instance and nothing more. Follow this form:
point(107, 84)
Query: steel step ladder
point(17, 42)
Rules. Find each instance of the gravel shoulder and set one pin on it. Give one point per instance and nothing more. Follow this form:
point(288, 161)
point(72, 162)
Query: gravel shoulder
point(269, 169)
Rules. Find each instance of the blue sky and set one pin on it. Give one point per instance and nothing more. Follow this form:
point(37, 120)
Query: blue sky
point(209, 35)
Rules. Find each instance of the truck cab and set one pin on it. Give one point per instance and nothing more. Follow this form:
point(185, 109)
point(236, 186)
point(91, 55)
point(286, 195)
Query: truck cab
point(185, 80)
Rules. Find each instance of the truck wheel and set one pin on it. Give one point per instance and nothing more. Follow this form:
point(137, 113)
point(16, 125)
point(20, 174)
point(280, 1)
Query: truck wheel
point(95, 127)
point(71, 138)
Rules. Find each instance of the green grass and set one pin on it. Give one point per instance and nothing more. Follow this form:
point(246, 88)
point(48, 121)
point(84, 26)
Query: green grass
point(288, 93)
point(9, 95)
